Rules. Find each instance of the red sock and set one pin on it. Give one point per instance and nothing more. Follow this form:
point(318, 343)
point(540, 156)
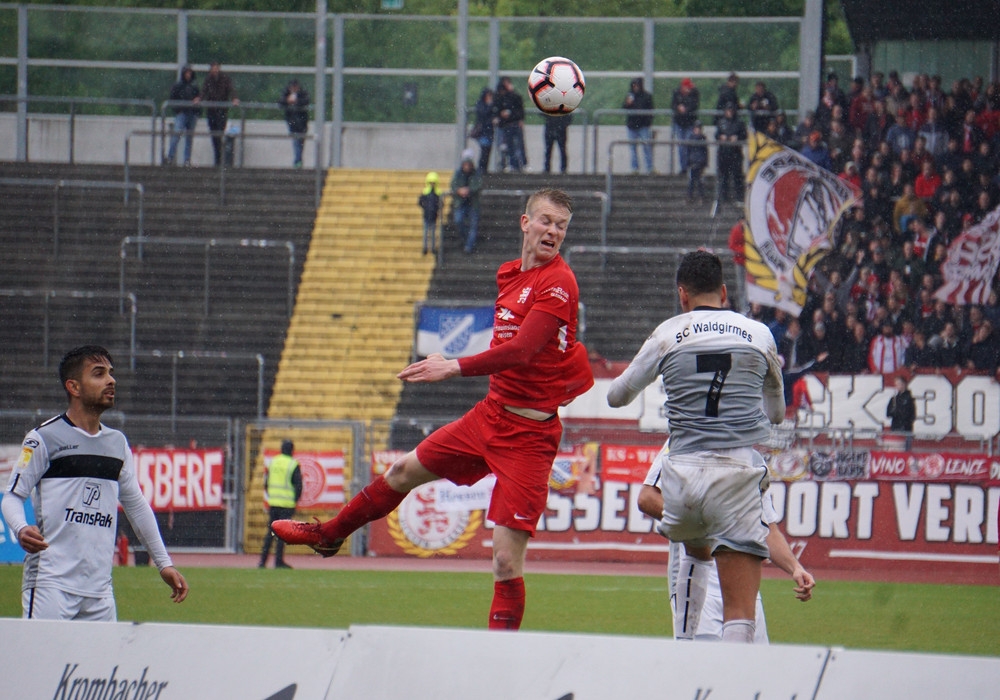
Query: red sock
point(508, 604)
point(375, 501)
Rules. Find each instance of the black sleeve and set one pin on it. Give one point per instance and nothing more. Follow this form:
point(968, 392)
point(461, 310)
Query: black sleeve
point(297, 483)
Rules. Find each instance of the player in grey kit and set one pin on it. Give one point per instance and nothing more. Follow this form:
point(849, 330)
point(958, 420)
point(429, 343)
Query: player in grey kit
point(77, 470)
point(722, 378)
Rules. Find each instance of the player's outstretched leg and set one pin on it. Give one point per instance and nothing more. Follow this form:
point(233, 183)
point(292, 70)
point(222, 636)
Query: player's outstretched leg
point(375, 501)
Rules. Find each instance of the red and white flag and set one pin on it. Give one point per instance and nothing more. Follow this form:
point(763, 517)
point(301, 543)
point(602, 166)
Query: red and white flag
point(972, 262)
point(792, 209)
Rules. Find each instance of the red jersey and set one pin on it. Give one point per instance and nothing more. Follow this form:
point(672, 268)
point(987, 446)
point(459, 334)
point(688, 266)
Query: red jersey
point(560, 371)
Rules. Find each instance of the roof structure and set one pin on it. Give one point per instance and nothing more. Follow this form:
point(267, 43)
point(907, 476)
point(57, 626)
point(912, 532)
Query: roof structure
point(905, 20)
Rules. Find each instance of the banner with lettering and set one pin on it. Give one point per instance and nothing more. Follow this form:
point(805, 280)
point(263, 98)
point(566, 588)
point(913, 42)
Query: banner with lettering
point(792, 209)
point(181, 480)
point(885, 510)
point(973, 258)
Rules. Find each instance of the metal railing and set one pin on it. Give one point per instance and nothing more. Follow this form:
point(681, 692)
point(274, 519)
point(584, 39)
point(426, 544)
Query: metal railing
point(605, 250)
point(707, 117)
point(48, 294)
point(208, 244)
point(73, 103)
point(222, 169)
point(176, 356)
point(670, 143)
point(92, 184)
point(594, 194)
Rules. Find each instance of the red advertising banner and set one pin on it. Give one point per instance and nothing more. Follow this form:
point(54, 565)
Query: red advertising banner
point(882, 511)
point(181, 480)
point(322, 478)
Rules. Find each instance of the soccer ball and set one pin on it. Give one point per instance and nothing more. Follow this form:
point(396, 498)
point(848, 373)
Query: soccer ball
point(556, 85)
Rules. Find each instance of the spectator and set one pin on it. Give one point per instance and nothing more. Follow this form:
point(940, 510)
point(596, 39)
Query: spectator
point(466, 185)
point(430, 203)
point(737, 242)
point(909, 204)
point(730, 133)
point(763, 106)
point(698, 161)
point(927, 183)
point(555, 134)
point(934, 133)
point(920, 154)
point(885, 353)
point(900, 136)
point(902, 411)
point(878, 124)
point(815, 151)
point(685, 104)
point(510, 122)
point(920, 355)
point(797, 355)
point(862, 105)
point(779, 324)
point(218, 88)
point(851, 175)
point(946, 346)
point(879, 88)
point(185, 116)
point(295, 101)
point(483, 128)
point(782, 133)
point(971, 135)
point(803, 129)
point(854, 358)
point(727, 94)
point(839, 144)
point(639, 123)
point(823, 349)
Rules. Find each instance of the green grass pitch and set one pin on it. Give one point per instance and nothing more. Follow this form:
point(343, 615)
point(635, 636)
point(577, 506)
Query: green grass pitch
point(906, 617)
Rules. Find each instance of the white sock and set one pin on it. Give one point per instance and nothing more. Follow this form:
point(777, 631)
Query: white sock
point(692, 581)
point(742, 631)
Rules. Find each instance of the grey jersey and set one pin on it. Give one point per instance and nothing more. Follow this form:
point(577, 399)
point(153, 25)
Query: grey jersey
point(75, 481)
point(716, 366)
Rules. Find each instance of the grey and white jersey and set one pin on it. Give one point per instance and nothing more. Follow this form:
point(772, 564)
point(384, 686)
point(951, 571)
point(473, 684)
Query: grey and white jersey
point(716, 365)
point(75, 481)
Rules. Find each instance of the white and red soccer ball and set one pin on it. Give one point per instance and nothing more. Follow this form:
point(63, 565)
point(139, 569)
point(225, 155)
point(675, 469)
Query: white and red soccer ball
point(556, 85)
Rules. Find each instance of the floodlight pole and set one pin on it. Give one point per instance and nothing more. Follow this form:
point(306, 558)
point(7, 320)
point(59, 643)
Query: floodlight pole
point(461, 77)
point(810, 55)
point(319, 90)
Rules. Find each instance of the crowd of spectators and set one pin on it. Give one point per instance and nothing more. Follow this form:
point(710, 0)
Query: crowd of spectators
point(925, 161)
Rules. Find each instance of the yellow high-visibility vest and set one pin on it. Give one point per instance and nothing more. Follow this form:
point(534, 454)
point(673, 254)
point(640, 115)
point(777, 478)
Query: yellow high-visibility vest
point(280, 492)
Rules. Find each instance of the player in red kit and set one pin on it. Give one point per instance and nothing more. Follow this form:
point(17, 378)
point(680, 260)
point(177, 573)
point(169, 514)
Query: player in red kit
point(535, 365)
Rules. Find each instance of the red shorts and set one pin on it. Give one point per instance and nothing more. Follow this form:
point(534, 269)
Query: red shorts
point(489, 439)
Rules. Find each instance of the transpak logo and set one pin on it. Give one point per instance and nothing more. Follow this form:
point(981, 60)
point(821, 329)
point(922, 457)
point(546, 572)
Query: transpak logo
point(419, 528)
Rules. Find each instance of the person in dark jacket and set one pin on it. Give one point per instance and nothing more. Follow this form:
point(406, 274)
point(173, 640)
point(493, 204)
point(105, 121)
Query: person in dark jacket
point(185, 116)
point(639, 123)
point(218, 87)
point(697, 162)
point(295, 100)
point(685, 103)
point(731, 133)
point(902, 410)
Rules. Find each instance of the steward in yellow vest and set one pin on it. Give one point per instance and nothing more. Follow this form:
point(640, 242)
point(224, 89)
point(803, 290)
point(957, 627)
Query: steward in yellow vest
point(282, 490)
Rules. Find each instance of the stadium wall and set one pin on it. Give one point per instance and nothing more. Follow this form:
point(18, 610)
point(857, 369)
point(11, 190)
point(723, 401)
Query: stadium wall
point(365, 145)
point(128, 661)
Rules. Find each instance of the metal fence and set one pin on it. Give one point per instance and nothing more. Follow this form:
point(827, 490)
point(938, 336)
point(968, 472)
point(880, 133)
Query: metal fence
point(377, 67)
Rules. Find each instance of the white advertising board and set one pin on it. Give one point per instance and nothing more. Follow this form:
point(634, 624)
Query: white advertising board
point(151, 661)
